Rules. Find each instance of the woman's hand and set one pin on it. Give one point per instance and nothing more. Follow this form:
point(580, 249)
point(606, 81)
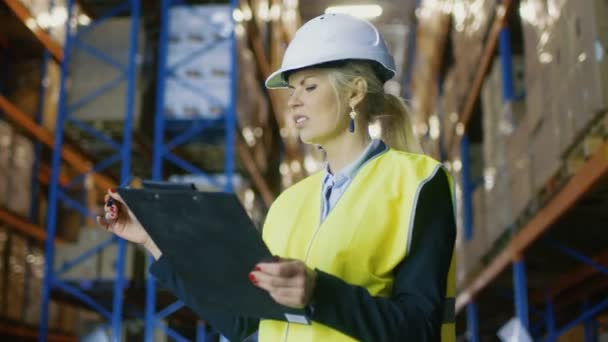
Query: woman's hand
point(289, 282)
point(119, 219)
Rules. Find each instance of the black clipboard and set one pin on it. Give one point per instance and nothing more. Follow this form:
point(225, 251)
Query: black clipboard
point(213, 245)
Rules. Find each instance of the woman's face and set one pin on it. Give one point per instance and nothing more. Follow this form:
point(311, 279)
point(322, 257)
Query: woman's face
point(315, 107)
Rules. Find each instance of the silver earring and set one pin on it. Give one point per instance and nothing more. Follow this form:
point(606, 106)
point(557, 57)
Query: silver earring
point(353, 115)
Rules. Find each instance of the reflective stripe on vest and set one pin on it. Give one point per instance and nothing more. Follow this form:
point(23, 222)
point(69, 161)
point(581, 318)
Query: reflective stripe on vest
point(383, 196)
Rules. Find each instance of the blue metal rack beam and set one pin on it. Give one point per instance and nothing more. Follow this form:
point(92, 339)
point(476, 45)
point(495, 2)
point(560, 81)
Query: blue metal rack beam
point(162, 148)
point(57, 193)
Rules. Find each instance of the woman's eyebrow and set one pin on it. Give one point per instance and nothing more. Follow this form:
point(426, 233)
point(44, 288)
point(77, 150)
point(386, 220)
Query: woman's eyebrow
point(301, 82)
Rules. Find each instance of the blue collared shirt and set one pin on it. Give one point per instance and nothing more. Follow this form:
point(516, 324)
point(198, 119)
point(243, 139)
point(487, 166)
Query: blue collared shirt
point(334, 185)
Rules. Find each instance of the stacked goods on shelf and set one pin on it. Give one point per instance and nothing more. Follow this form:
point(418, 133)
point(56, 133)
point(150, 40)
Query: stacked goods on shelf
point(506, 159)
point(433, 19)
point(451, 100)
point(99, 266)
point(585, 29)
point(19, 190)
point(24, 85)
point(3, 268)
point(6, 136)
point(35, 274)
point(252, 106)
point(470, 252)
point(567, 78)
point(90, 73)
point(16, 163)
point(471, 21)
point(200, 50)
point(544, 59)
point(290, 18)
point(53, 18)
point(519, 168)
point(15, 289)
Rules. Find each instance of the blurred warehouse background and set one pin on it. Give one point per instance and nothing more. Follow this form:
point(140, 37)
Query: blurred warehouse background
point(511, 95)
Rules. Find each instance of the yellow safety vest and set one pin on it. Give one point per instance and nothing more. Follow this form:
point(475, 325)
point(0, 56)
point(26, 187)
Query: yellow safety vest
point(362, 239)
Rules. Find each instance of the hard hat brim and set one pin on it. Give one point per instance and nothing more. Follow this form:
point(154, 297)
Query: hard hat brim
point(276, 80)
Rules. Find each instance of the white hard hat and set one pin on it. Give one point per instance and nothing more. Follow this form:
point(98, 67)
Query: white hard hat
point(334, 37)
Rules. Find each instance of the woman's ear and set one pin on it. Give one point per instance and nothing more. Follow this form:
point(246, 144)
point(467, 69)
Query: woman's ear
point(358, 91)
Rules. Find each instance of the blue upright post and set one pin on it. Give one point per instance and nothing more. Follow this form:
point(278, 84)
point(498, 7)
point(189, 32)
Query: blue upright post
point(591, 330)
point(550, 321)
point(472, 323)
point(123, 149)
point(157, 162)
point(521, 293)
point(49, 245)
point(230, 123)
point(125, 168)
point(201, 331)
point(504, 50)
point(163, 149)
point(519, 270)
point(590, 325)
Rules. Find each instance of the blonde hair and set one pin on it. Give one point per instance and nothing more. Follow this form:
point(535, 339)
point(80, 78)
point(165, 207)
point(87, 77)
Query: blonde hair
point(389, 111)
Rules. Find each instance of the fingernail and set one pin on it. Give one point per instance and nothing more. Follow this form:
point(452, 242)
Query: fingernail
point(112, 190)
point(252, 279)
point(257, 268)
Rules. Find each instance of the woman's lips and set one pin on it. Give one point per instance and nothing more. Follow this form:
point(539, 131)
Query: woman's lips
point(299, 120)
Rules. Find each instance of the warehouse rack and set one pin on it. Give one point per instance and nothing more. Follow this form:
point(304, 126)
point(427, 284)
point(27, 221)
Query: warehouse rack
point(75, 158)
point(57, 193)
point(570, 195)
point(22, 225)
point(170, 133)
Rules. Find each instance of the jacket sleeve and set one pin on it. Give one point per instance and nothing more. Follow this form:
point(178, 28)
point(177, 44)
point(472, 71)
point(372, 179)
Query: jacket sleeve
point(415, 310)
point(235, 328)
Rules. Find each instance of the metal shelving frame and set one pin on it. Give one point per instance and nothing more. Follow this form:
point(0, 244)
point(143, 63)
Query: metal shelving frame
point(57, 192)
point(594, 170)
point(163, 146)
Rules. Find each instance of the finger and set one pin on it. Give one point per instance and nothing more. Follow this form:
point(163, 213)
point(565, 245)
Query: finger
point(115, 195)
point(102, 222)
point(270, 283)
point(282, 268)
point(289, 297)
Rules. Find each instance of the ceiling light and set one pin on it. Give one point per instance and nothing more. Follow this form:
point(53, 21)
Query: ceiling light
point(361, 11)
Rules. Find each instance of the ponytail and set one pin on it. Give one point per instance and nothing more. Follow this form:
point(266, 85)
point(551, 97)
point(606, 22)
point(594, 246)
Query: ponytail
point(387, 110)
point(396, 125)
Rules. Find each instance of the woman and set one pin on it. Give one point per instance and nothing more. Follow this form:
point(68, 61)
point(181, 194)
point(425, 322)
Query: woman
point(366, 244)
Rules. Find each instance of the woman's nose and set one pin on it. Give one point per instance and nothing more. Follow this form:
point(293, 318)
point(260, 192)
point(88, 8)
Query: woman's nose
point(293, 101)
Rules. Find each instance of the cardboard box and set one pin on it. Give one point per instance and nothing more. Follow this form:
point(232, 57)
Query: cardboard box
point(545, 153)
point(20, 176)
point(16, 278)
point(498, 203)
point(587, 32)
point(98, 266)
point(108, 258)
point(35, 272)
point(3, 268)
point(521, 183)
point(6, 142)
point(88, 73)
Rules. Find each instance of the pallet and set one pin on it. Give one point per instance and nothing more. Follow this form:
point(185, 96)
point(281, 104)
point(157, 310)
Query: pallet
point(587, 144)
point(574, 159)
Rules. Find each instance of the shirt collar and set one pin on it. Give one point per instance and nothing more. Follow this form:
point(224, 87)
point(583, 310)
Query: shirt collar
point(376, 146)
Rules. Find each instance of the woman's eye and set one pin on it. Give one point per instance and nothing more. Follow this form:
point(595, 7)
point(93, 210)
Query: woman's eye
point(311, 88)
